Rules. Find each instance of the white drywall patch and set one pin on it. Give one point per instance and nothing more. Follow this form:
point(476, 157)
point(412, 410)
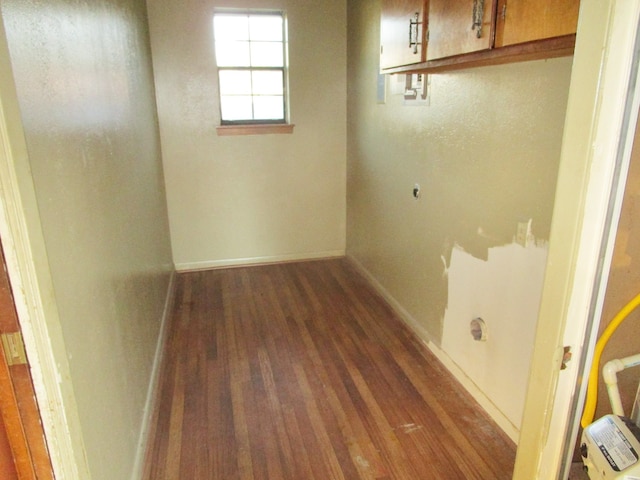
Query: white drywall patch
point(505, 292)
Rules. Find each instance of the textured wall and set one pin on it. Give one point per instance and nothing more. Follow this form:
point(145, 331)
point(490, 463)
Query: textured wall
point(252, 198)
point(84, 82)
point(485, 152)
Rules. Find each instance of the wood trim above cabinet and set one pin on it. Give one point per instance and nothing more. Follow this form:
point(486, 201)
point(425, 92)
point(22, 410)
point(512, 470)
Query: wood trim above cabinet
point(536, 50)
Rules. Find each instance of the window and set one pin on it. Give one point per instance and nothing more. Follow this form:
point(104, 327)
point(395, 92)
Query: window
point(251, 56)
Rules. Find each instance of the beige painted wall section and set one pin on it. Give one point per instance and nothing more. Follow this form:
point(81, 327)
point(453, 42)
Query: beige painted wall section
point(485, 152)
point(252, 198)
point(84, 83)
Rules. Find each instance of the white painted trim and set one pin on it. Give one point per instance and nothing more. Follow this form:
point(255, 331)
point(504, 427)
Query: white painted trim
point(234, 262)
point(478, 395)
point(612, 141)
point(154, 381)
point(30, 278)
point(390, 299)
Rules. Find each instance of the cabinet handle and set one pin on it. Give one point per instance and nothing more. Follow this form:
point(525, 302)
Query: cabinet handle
point(413, 32)
point(478, 15)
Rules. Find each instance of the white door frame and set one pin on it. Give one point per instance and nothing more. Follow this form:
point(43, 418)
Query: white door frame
point(600, 122)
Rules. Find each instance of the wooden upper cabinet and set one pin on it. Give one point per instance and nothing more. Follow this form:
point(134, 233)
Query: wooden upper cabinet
point(455, 34)
point(457, 27)
point(402, 36)
point(520, 21)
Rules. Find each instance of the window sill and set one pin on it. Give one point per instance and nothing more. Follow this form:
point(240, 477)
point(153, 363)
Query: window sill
point(254, 129)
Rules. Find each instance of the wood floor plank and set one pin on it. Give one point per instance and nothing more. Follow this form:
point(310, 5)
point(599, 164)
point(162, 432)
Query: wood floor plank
point(301, 371)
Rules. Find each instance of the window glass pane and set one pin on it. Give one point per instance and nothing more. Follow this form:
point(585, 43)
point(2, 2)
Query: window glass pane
point(266, 54)
point(268, 83)
point(231, 27)
point(250, 56)
point(268, 108)
point(236, 107)
point(235, 82)
point(233, 54)
point(266, 27)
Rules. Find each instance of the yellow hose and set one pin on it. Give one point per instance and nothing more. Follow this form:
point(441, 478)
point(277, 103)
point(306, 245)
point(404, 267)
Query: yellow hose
point(592, 387)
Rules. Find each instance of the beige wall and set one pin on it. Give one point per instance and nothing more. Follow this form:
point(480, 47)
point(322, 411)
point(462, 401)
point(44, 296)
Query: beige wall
point(84, 84)
point(485, 152)
point(252, 198)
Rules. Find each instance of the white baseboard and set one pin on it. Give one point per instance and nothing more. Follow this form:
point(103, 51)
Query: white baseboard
point(395, 305)
point(234, 262)
point(150, 402)
point(479, 396)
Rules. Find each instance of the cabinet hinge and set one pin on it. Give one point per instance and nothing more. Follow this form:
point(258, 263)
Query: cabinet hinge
point(13, 348)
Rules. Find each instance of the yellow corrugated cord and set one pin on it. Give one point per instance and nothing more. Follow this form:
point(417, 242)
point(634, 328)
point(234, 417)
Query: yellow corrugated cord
point(592, 387)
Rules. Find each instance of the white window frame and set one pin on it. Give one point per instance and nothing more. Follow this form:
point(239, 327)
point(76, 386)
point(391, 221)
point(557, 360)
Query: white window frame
point(284, 69)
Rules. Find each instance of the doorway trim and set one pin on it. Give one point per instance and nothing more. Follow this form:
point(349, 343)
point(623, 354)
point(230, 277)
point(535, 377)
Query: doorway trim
point(593, 167)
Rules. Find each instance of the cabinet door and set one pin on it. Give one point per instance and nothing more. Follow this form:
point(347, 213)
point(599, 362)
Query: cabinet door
point(459, 26)
point(401, 37)
point(520, 21)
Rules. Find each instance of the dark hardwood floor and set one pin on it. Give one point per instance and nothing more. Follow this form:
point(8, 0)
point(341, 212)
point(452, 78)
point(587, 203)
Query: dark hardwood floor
point(301, 371)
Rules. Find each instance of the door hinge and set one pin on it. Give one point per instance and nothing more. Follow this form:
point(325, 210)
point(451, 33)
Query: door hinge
point(13, 348)
point(566, 357)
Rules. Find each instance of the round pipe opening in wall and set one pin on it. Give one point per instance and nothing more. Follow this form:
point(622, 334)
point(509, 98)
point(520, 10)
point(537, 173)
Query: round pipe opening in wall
point(478, 330)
